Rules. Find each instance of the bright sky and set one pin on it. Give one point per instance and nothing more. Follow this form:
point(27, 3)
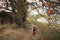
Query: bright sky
point(35, 12)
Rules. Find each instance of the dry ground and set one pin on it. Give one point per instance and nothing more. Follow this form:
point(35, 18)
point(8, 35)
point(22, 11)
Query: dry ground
point(11, 32)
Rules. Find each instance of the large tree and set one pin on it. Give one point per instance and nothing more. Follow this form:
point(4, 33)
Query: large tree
point(21, 7)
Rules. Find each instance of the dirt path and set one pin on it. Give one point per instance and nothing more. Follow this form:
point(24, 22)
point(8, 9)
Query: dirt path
point(11, 33)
